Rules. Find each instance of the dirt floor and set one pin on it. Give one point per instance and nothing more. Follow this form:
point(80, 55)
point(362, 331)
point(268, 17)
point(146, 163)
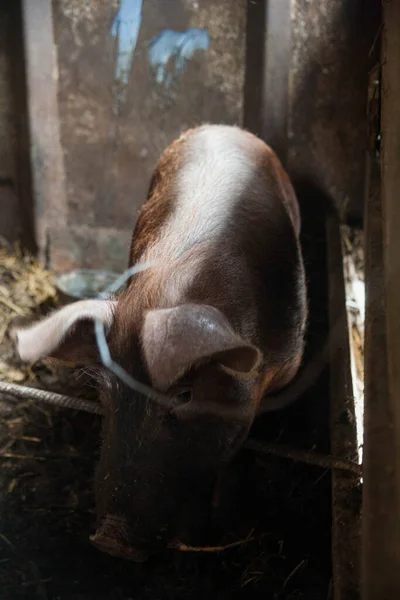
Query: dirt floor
point(47, 460)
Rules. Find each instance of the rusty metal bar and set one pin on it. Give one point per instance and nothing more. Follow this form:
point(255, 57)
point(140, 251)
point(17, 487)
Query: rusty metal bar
point(46, 157)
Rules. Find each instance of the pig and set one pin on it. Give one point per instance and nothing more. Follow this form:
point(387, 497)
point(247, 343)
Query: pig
point(216, 324)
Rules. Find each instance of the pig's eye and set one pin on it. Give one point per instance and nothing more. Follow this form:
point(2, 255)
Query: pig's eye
point(181, 396)
point(185, 396)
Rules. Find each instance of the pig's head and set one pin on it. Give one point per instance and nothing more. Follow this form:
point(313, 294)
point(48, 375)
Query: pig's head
point(160, 460)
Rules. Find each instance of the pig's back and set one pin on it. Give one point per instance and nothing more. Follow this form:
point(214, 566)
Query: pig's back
point(223, 171)
point(228, 234)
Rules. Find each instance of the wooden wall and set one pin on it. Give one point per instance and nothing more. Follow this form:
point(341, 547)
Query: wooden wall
point(9, 210)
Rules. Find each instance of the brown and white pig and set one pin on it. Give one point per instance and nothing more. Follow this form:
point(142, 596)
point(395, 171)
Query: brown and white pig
point(218, 322)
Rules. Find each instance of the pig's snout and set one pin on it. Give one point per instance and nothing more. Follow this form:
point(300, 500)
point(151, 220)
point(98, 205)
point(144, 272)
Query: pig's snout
point(112, 537)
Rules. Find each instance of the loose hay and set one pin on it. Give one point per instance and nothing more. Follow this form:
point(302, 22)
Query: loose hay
point(27, 291)
point(25, 287)
point(187, 548)
point(42, 474)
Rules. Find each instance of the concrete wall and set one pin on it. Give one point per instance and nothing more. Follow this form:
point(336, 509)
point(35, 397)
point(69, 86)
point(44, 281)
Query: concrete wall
point(111, 83)
point(122, 101)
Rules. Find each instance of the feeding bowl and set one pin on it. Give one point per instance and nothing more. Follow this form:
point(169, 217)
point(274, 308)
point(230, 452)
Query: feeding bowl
point(82, 284)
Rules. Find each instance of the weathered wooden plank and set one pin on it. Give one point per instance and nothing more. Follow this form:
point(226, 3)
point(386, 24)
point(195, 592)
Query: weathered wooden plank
point(25, 203)
point(380, 541)
point(277, 48)
point(266, 91)
point(10, 218)
point(328, 84)
point(305, 97)
point(381, 495)
point(254, 65)
point(346, 492)
point(42, 105)
point(391, 207)
point(326, 148)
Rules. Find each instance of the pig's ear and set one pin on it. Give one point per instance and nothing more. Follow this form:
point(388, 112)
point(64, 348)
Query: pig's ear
point(176, 339)
point(67, 334)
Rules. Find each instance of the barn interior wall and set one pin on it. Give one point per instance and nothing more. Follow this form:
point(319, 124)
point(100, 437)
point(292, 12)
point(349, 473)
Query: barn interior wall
point(115, 120)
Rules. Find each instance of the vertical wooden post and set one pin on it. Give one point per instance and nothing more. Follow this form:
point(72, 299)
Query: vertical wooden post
point(381, 494)
point(277, 49)
point(380, 541)
point(346, 496)
point(391, 211)
point(254, 65)
point(267, 72)
point(42, 104)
